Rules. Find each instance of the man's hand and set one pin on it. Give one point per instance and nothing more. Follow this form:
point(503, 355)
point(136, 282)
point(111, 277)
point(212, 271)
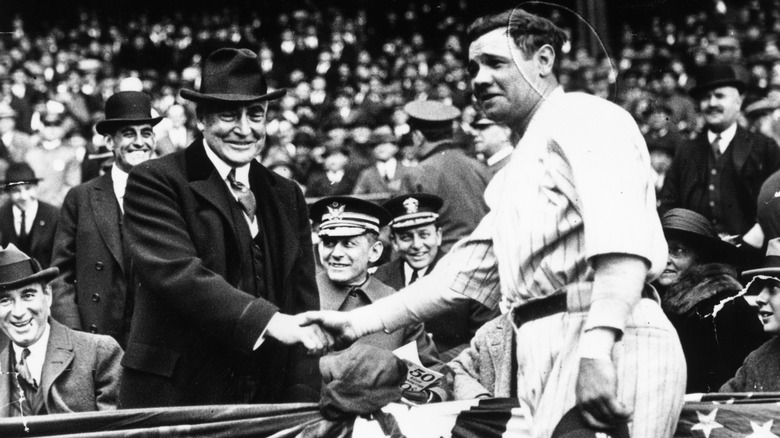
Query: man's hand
point(597, 394)
point(338, 325)
point(292, 329)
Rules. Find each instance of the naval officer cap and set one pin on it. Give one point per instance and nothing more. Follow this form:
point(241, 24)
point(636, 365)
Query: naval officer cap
point(347, 216)
point(413, 210)
point(430, 114)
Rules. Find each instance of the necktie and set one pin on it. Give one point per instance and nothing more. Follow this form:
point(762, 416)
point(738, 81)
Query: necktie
point(716, 147)
point(414, 276)
point(28, 384)
point(23, 228)
point(245, 196)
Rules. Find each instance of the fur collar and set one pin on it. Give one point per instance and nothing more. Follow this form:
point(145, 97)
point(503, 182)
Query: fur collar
point(700, 283)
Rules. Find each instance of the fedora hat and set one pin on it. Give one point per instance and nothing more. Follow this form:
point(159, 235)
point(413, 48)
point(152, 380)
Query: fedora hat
point(232, 75)
point(18, 269)
point(18, 174)
point(126, 108)
point(720, 75)
point(771, 264)
point(692, 227)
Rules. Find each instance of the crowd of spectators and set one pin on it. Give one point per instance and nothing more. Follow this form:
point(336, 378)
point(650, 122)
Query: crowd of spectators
point(348, 71)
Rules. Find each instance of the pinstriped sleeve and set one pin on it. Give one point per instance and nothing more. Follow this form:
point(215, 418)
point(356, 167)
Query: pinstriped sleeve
point(470, 270)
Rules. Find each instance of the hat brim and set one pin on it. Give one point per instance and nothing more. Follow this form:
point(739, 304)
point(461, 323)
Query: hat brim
point(697, 91)
point(45, 275)
point(230, 98)
point(8, 185)
point(724, 251)
point(105, 127)
point(772, 272)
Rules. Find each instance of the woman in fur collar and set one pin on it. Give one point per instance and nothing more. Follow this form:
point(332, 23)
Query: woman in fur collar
point(701, 297)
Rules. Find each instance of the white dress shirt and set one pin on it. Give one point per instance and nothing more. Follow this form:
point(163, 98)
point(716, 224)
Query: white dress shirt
point(29, 217)
point(119, 179)
point(725, 137)
point(242, 176)
point(37, 354)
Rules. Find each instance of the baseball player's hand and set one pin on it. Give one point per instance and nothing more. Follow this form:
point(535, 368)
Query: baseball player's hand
point(597, 394)
point(292, 329)
point(337, 324)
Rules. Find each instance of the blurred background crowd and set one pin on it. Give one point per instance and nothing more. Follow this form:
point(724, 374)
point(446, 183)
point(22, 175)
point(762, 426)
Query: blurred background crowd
point(349, 68)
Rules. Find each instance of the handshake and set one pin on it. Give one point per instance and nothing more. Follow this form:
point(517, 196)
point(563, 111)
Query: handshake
point(319, 331)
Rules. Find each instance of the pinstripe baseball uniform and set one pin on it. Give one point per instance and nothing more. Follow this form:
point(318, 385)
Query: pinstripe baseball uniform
point(577, 186)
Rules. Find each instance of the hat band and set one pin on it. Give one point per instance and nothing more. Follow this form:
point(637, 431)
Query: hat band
point(16, 271)
point(349, 224)
point(410, 220)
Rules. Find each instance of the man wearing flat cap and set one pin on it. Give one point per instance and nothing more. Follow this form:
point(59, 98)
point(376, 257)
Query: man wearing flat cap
point(719, 174)
point(445, 170)
point(53, 369)
point(416, 236)
point(26, 221)
point(91, 292)
point(349, 243)
point(222, 252)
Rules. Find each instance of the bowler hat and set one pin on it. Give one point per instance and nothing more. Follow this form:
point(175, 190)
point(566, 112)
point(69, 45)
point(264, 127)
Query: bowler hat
point(720, 75)
point(18, 269)
point(692, 227)
point(232, 75)
point(413, 210)
point(430, 114)
point(572, 425)
point(771, 264)
point(126, 108)
point(18, 174)
point(346, 216)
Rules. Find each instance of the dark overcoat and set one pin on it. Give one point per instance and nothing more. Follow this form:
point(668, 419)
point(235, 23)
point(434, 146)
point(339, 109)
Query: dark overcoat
point(203, 300)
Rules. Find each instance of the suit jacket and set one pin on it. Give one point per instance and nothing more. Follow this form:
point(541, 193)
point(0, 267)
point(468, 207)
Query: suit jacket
point(80, 373)
point(91, 290)
point(332, 297)
point(41, 235)
point(487, 368)
point(370, 181)
point(204, 296)
point(319, 185)
point(749, 160)
point(461, 182)
point(452, 330)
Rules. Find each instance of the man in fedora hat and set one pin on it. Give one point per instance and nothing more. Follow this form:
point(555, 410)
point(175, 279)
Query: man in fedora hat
point(55, 369)
point(222, 251)
point(26, 221)
point(719, 174)
point(416, 235)
point(445, 170)
point(92, 292)
point(386, 174)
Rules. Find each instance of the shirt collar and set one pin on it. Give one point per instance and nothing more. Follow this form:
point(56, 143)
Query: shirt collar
point(37, 354)
point(500, 155)
point(408, 271)
point(119, 178)
point(242, 172)
point(29, 214)
point(725, 137)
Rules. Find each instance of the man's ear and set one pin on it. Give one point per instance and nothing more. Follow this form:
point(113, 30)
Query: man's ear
point(375, 251)
point(545, 59)
point(109, 141)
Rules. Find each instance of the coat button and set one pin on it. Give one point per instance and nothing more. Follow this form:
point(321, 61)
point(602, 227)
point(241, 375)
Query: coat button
point(93, 328)
point(96, 297)
point(99, 266)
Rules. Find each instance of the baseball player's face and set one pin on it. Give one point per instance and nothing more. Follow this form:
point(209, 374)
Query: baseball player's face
point(418, 246)
point(23, 313)
point(500, 78)
point(768, 302)
point(236, 133)
point(720, 107)
point(132, 145)
point(346, 259)
point(681, 258)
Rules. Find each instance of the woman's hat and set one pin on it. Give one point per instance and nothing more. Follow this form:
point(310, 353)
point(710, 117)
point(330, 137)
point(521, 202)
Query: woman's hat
point(126, 108)
point(692, 227)
point(771, 264)
point(18, 174)
point(232, 75)
point(18, 269)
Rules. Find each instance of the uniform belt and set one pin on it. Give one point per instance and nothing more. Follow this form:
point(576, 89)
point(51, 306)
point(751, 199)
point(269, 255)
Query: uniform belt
point(539, 308)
